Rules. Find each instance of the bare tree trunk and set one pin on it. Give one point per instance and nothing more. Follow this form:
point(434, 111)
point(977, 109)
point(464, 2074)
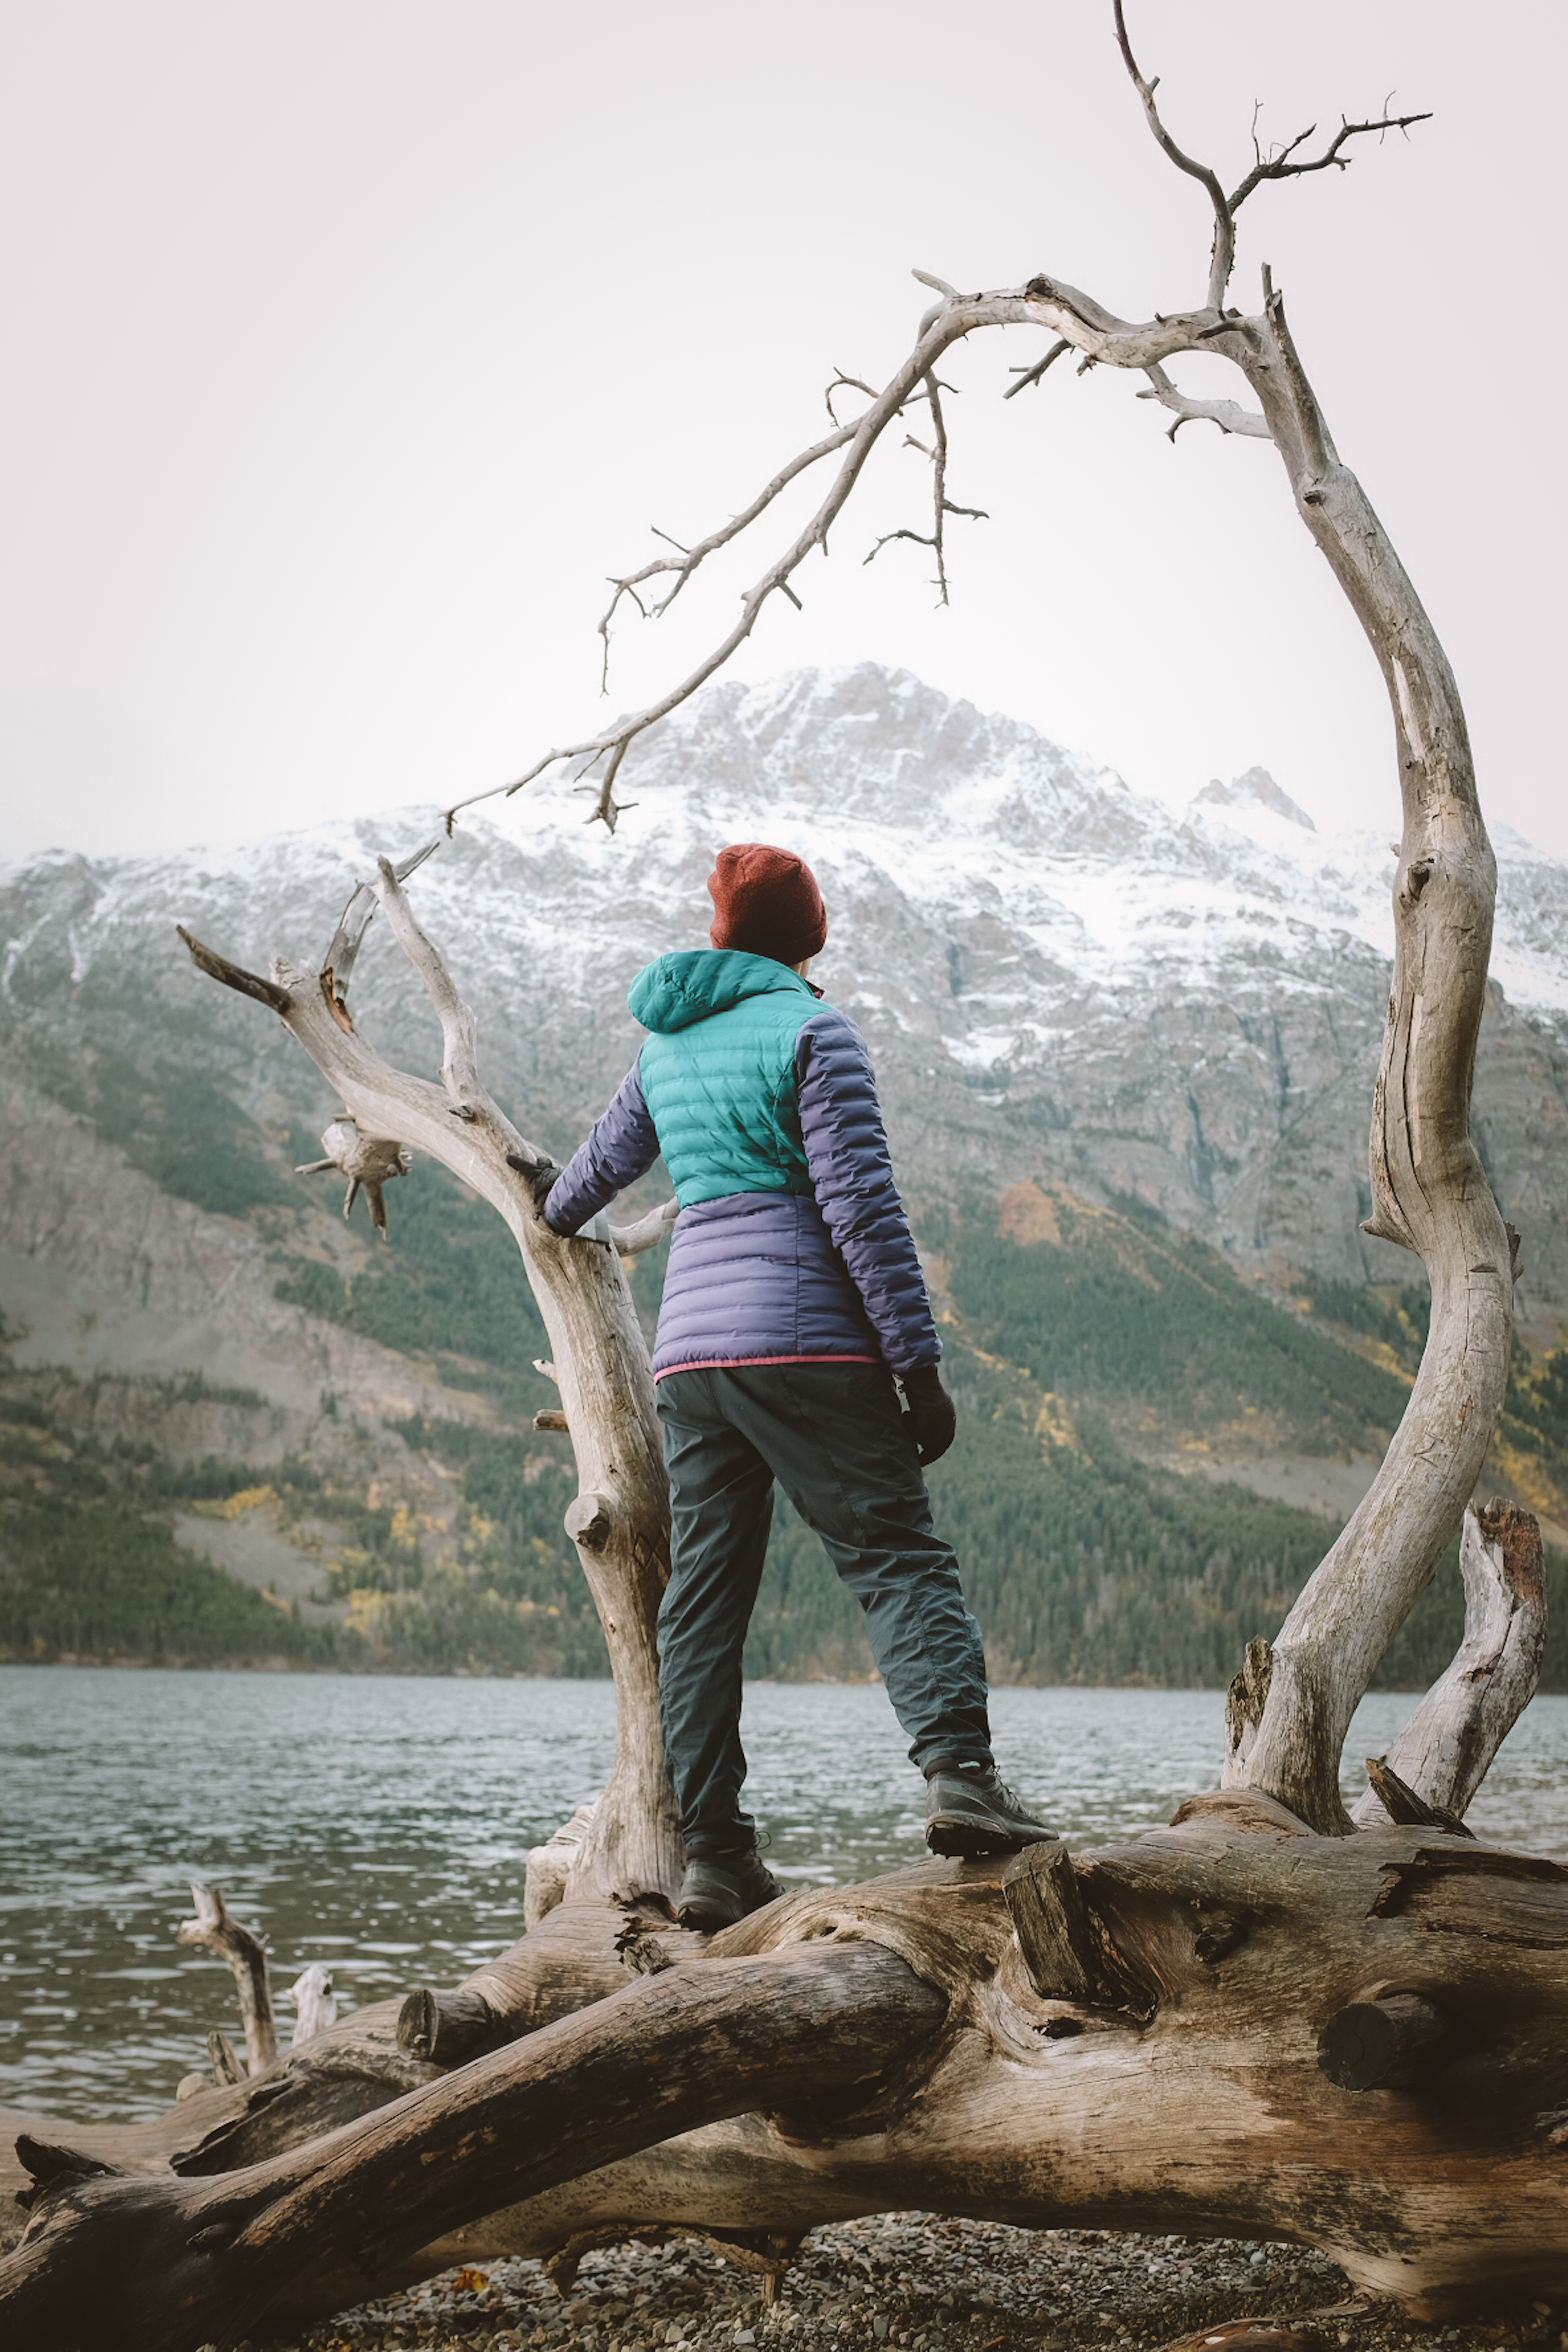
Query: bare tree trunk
point(620, 1520)
point(1429, 1192)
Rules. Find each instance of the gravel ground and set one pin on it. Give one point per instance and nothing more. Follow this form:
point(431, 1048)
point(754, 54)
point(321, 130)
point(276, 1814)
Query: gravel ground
point(921, 2284)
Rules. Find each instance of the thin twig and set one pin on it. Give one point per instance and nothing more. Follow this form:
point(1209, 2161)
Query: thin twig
point(1086, 325)
point(843, 383)
point(939, 487)
point(689, 558)
point(1282, 167)
point(1034, 374)
point(1223, 258)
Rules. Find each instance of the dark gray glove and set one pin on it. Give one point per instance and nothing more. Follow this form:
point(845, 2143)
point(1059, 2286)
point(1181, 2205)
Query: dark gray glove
point(539, 1175)
point(933, 1417)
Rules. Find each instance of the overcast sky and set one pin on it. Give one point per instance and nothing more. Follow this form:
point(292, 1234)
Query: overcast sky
point(351, 346)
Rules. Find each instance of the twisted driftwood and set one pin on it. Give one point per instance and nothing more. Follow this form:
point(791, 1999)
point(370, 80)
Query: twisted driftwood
point(1265, 2017)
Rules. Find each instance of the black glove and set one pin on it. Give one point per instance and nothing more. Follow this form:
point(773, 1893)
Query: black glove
point(539, 1175)
point(933, 1418)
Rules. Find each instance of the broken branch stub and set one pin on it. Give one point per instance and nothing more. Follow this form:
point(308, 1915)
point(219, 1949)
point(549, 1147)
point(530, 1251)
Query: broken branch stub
point(315, 2003)
point(371, 1160)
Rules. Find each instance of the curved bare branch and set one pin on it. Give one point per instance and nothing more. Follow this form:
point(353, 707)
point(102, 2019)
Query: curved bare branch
point(1077, 318)
point(1227, 414)
point(687, 560)
point(1429, 1190)
point(596, 1341)
point(1222, 259)
point(1446, 1749)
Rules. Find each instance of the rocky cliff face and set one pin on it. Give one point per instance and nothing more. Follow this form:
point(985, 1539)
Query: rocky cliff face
point(1058, 978)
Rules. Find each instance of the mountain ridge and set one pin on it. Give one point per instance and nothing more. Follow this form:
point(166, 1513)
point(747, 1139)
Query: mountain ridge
point(1057, 975)
point(1126, 1054)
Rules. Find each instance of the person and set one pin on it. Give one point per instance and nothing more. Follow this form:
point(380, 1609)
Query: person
point(794, 1316)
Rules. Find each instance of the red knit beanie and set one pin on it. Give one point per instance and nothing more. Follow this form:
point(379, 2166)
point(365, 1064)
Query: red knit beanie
point(765, 902)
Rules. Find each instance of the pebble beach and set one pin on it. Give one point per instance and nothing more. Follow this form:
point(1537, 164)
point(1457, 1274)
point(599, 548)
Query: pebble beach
point(918, 2283)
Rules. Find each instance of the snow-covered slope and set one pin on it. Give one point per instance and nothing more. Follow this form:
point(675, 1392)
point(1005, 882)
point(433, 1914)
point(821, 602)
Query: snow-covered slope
point(1058, 976)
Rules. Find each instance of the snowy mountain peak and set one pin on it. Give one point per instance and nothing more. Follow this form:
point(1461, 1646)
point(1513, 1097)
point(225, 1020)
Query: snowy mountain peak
point(1256, 788)
point(1061, 979)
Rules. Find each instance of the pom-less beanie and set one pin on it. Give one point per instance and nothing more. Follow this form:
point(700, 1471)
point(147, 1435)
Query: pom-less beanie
point(765, 902)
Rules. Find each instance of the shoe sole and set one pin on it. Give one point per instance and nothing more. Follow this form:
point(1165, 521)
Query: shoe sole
point(956, 1839)
point(708, 1923)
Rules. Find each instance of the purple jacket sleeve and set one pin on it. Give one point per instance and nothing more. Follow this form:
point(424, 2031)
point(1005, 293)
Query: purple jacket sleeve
point(851, 1174)
point(622, 1147)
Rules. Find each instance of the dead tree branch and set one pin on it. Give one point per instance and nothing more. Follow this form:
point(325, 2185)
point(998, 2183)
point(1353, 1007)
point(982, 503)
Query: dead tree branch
point(217, 1931)
point(1091, 328)
point(1429, 1190)
point(1222, 259)
point(1284, 165)
point(1037, 373)
point(620, 1521)
point(687, 560)
point(1227, 414)
point(1444, 1752)
point(178, 2262)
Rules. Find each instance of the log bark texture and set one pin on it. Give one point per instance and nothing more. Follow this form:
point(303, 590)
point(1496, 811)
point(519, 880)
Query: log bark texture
point(165, 2265)
point(892, 2046)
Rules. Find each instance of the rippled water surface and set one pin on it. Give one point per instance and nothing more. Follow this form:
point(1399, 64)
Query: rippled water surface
point(382, 1825)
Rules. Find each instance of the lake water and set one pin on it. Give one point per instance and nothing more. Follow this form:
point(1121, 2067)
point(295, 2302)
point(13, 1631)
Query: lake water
point(381, 1824)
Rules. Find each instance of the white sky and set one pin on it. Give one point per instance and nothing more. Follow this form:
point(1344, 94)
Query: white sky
point(349, 346)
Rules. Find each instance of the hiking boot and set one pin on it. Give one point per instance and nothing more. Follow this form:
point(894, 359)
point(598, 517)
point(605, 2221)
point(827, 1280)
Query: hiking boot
point(720, 1888)
point(970, 1812)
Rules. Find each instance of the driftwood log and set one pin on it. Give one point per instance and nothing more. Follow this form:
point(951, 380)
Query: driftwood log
point(1269, 2017)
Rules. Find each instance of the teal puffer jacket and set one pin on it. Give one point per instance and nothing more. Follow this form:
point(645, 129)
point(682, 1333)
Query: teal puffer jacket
point(718, 1071)
point(792, 1245)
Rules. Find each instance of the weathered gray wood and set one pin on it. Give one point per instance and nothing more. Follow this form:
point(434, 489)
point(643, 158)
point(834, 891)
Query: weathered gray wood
point(217, 1929)
point(598, 1358)
point(646, 1232)
point(225, 2066)
point(1444, 1752)
point(1429, 1190)
point(164, 2265)
point(315, 2003)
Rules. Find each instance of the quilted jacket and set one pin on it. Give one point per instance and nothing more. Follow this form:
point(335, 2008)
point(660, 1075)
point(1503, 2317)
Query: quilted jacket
point(791, 1245)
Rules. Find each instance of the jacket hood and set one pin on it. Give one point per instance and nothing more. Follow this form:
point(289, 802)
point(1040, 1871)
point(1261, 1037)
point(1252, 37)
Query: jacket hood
point(692, 983)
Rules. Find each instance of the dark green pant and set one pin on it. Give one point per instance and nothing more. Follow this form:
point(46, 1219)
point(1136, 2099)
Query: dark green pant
point(833, 1436)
